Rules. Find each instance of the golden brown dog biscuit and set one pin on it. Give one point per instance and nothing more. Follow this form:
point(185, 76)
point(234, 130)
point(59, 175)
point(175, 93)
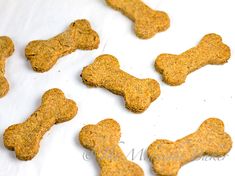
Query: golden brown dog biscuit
point(147, 21)
point(210, 139)
point(25, 137)
point(6, 50)
point(103, 140)
point(43, 54)
point(105, 72)
point(175, 68)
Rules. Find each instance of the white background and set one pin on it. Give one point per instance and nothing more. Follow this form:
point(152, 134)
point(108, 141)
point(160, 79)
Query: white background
point(208, 92)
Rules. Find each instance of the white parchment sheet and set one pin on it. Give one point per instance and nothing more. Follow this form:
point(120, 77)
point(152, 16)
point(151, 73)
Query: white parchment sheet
point(208, 92)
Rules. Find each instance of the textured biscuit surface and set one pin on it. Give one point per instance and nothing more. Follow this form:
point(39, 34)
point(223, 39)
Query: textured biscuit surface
point(105, 72)
point(210, 139)
point(175, 68)
point(6, 50)
point(43, 54)
point(25, 137)
point(103, 139)
point(147, 21)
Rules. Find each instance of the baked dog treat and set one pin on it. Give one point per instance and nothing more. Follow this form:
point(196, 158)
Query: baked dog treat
point(6, 50)
point(210, 139)
point(103, 140)
point(25, 137)
point(175, 68)
point(105, 72)
point(43, 54)
point(147, 21)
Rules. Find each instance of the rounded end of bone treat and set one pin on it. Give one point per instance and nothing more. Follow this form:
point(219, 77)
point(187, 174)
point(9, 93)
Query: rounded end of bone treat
point(214, 43)
point(86, 137)
point(24, 147)
point(40, 67)
point(167, 170)
point(162, 157)
point(67, 109)
point(82, 24)
point(173, 69)
point(211, 38)
point(154, 88)
point(26, 153)
point(93, 74)
point(7, 46)
point(107, 60)
point(219, 142)
point(113, 130)
point(86, 38)
point(4, 86)
point(88, 41)
point(138, 99)
point(147, 27)
point(163, 61)
point(9, 138)
point(220, 145)
point(52, 94)
point(42, 57)
point(223, 54)
point(137, 104)
point(89, 78)
point(153, 148)
point(213, 125)
point(28, 150)
point(135, 169)
point(94, 40)
point(92, 136)
point(176, 80)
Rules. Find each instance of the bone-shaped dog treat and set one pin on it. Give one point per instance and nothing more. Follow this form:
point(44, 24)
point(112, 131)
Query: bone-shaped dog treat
point(147, 21)
point(6, 50)
point(25, 137)
point(210, 139)
point(175, 68)
point(105, 72)
point(103, 140)
point(43, 54)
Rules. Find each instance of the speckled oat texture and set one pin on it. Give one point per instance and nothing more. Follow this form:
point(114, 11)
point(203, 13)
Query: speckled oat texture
point(103, 140)
point(43, 54)
point(6, 50)
point(175, 68)
point(147, 21)
point(105, 72)
point(210, 139)
point(25, 137)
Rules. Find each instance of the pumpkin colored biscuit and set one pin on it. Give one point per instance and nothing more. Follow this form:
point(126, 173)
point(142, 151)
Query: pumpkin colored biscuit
point(25, 137)
point(43, 54)
point(147, 21)
point(210, 139)
point(105, 72)
point(6, 50)
point(175, 68)
point(103, 139)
